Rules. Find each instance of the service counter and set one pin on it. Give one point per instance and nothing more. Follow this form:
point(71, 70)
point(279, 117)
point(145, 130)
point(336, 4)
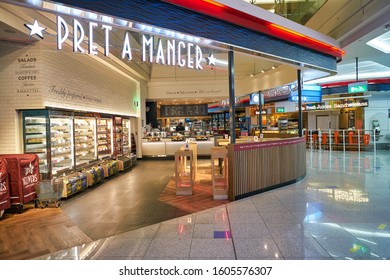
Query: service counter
point(167, 148)
point(259, 166)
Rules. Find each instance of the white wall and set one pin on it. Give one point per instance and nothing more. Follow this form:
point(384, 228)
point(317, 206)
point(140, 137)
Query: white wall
point(191, 89)
point(378, 109)
point(219, 88)
point(333, 117)
point(282, 75)
point(59, 79)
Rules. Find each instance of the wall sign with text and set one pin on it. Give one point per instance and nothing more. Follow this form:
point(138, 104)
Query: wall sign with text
point(81, 36)
point(183, 110)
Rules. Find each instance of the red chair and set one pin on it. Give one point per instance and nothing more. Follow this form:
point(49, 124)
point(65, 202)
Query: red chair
point(336, 137)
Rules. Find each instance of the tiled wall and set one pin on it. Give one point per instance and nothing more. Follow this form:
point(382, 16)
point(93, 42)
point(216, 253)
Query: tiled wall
point(57, 79)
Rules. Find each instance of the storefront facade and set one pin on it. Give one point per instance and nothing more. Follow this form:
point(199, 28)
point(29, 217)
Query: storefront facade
point(71, 67)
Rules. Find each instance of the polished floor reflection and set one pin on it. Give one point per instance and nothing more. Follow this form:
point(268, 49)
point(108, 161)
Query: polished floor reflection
point(340, 210)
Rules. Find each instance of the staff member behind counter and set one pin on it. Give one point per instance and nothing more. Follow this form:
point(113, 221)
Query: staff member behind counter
point(180, 127)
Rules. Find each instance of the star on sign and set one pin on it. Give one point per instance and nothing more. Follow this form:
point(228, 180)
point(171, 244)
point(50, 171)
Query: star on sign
point(35, 29)
point(211, 59)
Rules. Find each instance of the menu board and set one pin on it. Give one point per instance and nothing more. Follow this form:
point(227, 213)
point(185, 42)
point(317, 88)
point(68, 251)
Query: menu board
point(183, 110)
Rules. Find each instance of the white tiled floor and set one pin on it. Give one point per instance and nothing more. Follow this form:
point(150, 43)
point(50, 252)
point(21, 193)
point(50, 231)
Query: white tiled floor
point(340, 210)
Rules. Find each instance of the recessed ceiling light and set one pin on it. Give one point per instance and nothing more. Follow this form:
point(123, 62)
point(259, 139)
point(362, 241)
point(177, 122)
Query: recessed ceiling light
point(381, 42)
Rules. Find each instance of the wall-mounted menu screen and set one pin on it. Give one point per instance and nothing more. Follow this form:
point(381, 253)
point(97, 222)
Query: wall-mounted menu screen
point(84, 140)
point(104, 137)
point(35, 141)
point(61, 134)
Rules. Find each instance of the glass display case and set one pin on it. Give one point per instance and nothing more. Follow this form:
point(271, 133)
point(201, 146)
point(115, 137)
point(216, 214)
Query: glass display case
point(85, 140)
point(35, 139)
point(61, 140)
point(118, 138)
point(66, 141)
point(126, 136)
point(104, 137)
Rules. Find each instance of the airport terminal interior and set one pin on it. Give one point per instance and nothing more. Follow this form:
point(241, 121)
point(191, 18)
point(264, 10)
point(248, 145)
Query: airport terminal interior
point(118, 152)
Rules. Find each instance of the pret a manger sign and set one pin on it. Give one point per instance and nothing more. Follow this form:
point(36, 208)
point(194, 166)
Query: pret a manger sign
point(162, 51)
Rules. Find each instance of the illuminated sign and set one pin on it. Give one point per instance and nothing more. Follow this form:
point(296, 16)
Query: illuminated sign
point(357, 87)
point(154, 50)
point(255, 98)
point(280, 110)
point(310, 93)
point(339, 105)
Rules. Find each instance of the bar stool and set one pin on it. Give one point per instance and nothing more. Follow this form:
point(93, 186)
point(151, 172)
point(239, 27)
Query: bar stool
point(219, 172)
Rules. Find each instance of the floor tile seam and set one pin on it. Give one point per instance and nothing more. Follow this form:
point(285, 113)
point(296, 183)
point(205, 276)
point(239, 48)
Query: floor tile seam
point(151, 240)
point(357, 238)
point(271, 236)
point(231, 236)
point(319, 244)
point(372, 250)
point(192, 236)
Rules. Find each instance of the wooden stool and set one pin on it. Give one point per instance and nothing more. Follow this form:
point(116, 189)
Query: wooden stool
point(184, 172)
point(219, 172)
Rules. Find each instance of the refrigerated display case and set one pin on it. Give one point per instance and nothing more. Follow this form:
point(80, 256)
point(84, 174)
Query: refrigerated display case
point(118, 138)
point(126, 136)
point(66, 141)
point(35, 127)
point(61, 141)
point(85, 140)
point(104, 137)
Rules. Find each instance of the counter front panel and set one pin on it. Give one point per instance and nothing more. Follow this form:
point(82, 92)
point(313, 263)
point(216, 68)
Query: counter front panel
point(259, 166)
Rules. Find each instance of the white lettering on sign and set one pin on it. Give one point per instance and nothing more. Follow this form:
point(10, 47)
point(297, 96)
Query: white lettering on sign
point(171, 54)
point(92, 48)
point(126, 50)
point(187, 54)
point(29, 176)
point(160, 53)
point(3, 186)
point(78, 36)
point(30, 179)
point(61, 38)
point(167, 52)
point(107, 29)
point(147, 43)
point(181, 62)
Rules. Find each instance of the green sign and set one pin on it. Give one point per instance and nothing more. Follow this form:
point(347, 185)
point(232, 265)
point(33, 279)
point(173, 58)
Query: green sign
point(280, 110)
point(357, 87)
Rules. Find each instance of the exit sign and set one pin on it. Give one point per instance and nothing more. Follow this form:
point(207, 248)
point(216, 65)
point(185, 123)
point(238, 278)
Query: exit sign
point(357, 87)
point(280, 110)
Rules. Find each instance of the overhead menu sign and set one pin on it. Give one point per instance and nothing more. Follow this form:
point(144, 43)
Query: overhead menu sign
point(358, 87)
point(183, 110)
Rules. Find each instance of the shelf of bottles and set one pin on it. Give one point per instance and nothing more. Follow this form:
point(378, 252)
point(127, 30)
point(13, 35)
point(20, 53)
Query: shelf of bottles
point(61, 135)
point(84, 140)
point(118, 129)
point(126, 136)
point(35, 140)
point(104, 137)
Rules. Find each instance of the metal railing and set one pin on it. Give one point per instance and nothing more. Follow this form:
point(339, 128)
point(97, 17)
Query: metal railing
point(331, 139)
